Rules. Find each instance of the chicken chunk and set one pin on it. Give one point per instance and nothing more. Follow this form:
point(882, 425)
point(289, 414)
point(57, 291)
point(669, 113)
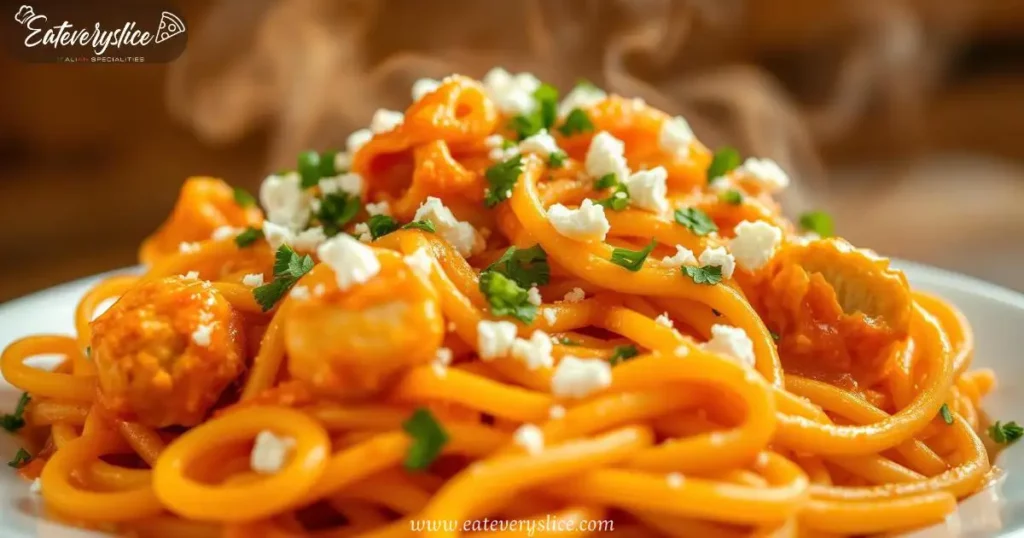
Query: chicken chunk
point(166, 351)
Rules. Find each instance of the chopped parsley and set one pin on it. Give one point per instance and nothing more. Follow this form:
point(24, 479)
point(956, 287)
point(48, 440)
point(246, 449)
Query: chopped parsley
point(726, 160)
point(424, 225)
point(428, 438)
point(708, 274)
point(21, 457)
point(506, 297)
point(248, 236)
point(945, 413)
point(623, 354)
point(243, 198)
point(16, 420)
point(731, 197)
point(1005, 434)
point(576, 122)
point(525, 266)
point(543, 116)
point(557, 159)
point(566, 341)
point(381, 225)
point(775, 336)
point(618, 200)
point(632, 259)
point(606, 181)
point(502, 177)
point(696, 221)
point(309, 168)
point(818, 222)
point(336, 210)
point(289, 267)
point(327, 163)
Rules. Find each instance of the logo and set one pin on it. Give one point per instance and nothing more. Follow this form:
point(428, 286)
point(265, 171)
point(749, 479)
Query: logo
point(119, 31)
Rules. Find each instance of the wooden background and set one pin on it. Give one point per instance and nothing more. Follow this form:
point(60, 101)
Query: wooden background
point(90, 160)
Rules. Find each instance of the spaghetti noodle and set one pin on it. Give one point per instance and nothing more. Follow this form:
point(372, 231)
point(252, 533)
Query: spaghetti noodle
point(499, 305)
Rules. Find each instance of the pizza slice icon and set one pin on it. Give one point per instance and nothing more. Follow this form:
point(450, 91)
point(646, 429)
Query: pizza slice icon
point(170, 26)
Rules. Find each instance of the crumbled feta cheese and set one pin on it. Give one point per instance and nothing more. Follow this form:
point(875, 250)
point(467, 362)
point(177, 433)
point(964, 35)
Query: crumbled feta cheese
point(37, 487)
point(495, 338)
point(675, 137)
point(225, 232)
point(578, 378)
point(442, 359)
point(201, 334)
point(675, 480)
point(683, 256)
point(535, 352)
point(319, 290)
point(664, 320)
point(582, 96)
point(380, 208)
point(191, 275)
point(277, 235)
point(187, 247)
point(310, 239)
point(270, 452)
point(765, 172)
point(385, 120)
point(342, 161)
point(755, 244)
point(440, 370)
point(533, 296)
point(253, 280)
point(349, 183)
point(575, 295)
point(648, 189)
point(530, 438)
point(681, 351)
point(587, 223)
point(460, 234)
point(542, 144)
point(606, 155)
point(720, 257)
point(512, 94)
point(550, 315)
point(420, 261)
point(362, 231)
point(732, 342)
point(357, 140)
point(500, 151)
point(352, 262)
point(556, 412)
point(424, 86)
point(300, 292)
point(285, 201)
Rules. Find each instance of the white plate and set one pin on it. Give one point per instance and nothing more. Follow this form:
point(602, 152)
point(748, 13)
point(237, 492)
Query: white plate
point(996, 314)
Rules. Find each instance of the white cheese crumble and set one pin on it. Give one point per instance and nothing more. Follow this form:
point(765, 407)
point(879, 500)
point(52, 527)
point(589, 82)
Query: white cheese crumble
point(512, 94)
point(355, 141)
point(720, 257)
point(277, 235)
point(36, 488)
point(556, 412)
point(664, 320)
point(352, 262)
point(300, 292)
point(675, 480)
point(581, 96)
point(420, 261)
point(648, 189)
point(225, 232)
point(587, 223)
point(362, 231)
point(533, 296)
point(191, 275)
point(385, 120)
point(380, 208)
point(683, 256)
point(530, 438)
point(542, 144)
point(350, 183)
point(201, 335)
point(424, 86)
point(675, 137)
point(253, 280)
point(550, 315)
point(755, 244)
point(606, 155)
point(732, 342)
point(310, 239)
point(442, 359)
point(285, 201)
point(499, 150)
point(535, 352)
point(270, 452)
point(765, 172)
point(187, 247)
point(460, 234)
point(578, 378)
point(575, 295)
point(495, 338)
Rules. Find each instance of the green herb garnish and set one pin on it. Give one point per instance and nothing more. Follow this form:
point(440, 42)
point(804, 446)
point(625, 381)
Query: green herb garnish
point(726, 159)
point(243, 198)
point(289, 267)
point(606, 181)
point(327, 163)
point(576, 122)
point(16, 420)
point(632, 259)
point(21, 457)
point(248, 236)
point(696, 221)
point(945, 413)
point(543, 116)
point(336, 210)
point(506, 297)
point(309, 168)
point(618, 200)
point(424, 225)
point(1005, 434)
point(428, 438)
point(708, 274)
point(731, 197)
point(502, 177)
point(622, 354)
point(525, 266)
point(381, 225)
point(557, 159)
point(818, 222)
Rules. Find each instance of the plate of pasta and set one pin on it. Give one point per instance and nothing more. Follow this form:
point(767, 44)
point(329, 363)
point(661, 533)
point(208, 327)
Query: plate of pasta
point(502, 311)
